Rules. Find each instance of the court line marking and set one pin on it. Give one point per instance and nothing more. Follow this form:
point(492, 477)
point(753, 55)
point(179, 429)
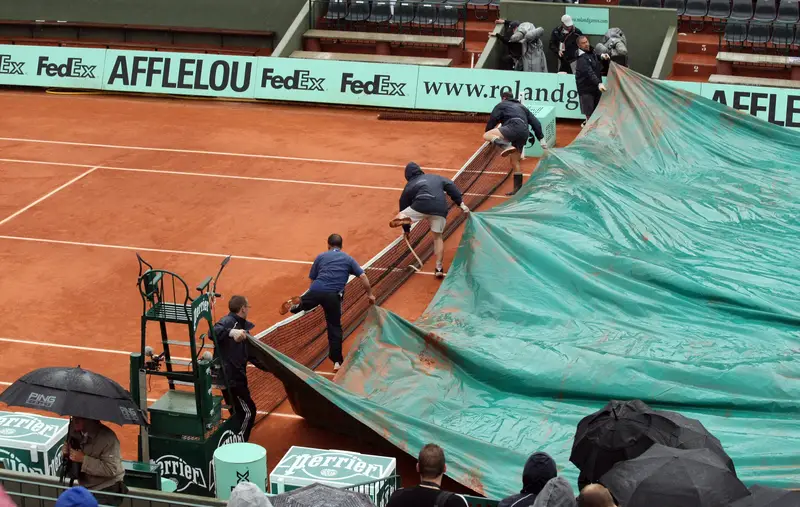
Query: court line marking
point(223, 176)
point(49, 194)
point(221, 153)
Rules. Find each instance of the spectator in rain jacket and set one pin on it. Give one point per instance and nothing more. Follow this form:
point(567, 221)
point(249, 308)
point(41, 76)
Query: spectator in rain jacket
point(514, 56)
point(538, 470)
point(556, 493)
point(533, 59)
point(614, 44)
point(564, 43)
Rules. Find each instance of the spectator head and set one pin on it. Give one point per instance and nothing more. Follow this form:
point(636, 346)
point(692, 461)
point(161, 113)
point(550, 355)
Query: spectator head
point(81, 424)
point(566, 22)
point(583, 43)
point(556, 493)
point(239, 306)
point(595, 495)
point(431, 464)
point(247, 494)
point(334, 241)
point(76, 497)
point(539, 469)
point(507, 96)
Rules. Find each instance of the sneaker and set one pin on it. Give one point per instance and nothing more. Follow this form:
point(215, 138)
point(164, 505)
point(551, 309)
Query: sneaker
point(507, 151)
point(398, 222)
point(439, 273)
point(336, 366)
point(583, 124)
point(289, 305)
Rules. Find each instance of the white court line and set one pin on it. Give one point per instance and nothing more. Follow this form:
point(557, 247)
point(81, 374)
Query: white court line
point(49, 194)
point(222, 153)
point(156, 250)
point(223, 176)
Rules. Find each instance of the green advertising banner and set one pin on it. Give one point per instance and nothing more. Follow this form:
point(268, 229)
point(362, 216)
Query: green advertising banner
point(590, 20)
point(479, 90)
point(334, 82)
point(51, 66)
point(179, 73)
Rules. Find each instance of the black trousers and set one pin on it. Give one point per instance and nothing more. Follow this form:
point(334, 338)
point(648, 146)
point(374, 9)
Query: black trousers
point(243, 406)
point(331, 303)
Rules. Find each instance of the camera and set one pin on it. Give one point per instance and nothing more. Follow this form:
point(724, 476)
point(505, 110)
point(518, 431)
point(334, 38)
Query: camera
point(70, 469)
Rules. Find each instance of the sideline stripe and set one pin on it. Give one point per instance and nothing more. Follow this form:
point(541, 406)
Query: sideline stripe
point(223, 176)
point(49, 194)
point(222, 153)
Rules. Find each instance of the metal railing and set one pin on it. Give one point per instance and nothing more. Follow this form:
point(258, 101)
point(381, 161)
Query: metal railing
point(414, 17)
point(381, 490)
point(31, 490)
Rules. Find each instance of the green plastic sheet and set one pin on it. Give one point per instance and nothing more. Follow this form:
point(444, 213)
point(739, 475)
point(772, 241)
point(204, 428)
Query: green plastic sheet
point(655, 258)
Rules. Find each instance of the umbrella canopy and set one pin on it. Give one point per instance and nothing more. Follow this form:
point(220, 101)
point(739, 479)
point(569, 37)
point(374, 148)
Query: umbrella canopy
point(666, 477)
point(320, 495)
point(74, 392)
point(761, 496)
point(623, 430)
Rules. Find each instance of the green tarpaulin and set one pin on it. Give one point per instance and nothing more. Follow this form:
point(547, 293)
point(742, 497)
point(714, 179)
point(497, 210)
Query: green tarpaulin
point(655, 258)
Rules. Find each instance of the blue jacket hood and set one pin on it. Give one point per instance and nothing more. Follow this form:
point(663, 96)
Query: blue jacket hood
point(412, 171)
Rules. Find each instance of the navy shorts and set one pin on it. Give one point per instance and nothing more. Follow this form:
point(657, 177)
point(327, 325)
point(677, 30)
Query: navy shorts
point(516, 132)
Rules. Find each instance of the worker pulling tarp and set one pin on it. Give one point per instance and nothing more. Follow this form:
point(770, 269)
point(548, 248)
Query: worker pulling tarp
point(655, 258)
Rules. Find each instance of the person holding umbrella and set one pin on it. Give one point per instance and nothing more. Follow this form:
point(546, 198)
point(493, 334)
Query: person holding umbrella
point(95, 448)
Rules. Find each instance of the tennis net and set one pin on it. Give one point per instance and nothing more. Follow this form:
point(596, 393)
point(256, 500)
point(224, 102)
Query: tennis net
point(303, 336)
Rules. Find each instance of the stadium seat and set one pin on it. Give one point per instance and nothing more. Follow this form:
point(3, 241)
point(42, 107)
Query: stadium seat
point(765, 11)
point(788, 11)
point(479, 12)
point(426, 14)
point(735, 33)
point(403, 13)
point(337, 10)
point(449, 14)
point(629, 3)
point(678, 5)
point(758, 33)
point(651, 3)
point(381, 12)
point(359, 11)
point(782, 34)
point(719, 10)
point(742, 10)
point(696, 9)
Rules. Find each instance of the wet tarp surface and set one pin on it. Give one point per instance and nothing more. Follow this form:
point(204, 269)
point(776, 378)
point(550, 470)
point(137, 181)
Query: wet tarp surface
point(657, 257)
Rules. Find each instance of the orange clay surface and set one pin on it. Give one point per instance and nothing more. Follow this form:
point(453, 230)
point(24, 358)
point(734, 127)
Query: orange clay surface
point(88, 180)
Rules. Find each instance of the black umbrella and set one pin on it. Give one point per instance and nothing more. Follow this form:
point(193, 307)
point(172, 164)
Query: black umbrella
point(74, 392)
point(320, 495)
point(761, 496)
point(667, 477)
point(623, 430)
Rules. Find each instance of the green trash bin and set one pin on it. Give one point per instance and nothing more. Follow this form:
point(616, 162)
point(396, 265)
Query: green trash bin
point(168, 485)
point(239, 462)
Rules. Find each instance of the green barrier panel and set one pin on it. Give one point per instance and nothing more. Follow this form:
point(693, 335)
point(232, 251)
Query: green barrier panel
point(357, 83)
point(49, 66)
point(591, 20)
point(179, 73)
point(334, 82)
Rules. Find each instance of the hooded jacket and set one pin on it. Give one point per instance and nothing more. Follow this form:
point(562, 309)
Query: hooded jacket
point(511, 108)
point(570, 40)
point(234, 355)
point(533, 59)
point(539, 469)
point(425, 193)
point(588, 73)
point(556, 493)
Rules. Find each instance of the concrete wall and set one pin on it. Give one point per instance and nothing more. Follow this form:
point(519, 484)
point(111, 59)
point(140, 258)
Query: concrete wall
point(644, 28)
point(274, 15)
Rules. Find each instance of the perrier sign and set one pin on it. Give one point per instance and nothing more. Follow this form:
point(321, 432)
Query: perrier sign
point(302, 466)
point(31, 443)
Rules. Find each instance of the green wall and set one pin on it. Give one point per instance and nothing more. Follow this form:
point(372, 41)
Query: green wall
point(274, 15)
point(644, 28)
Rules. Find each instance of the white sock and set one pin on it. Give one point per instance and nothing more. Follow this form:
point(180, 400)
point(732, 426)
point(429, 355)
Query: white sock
point(439, 265)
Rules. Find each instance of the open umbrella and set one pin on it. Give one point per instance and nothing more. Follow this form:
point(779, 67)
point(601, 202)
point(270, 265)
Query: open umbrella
point(667, 477)
point(320, 495)
point(761, 496)
point(74, 392)
point(623, 430)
